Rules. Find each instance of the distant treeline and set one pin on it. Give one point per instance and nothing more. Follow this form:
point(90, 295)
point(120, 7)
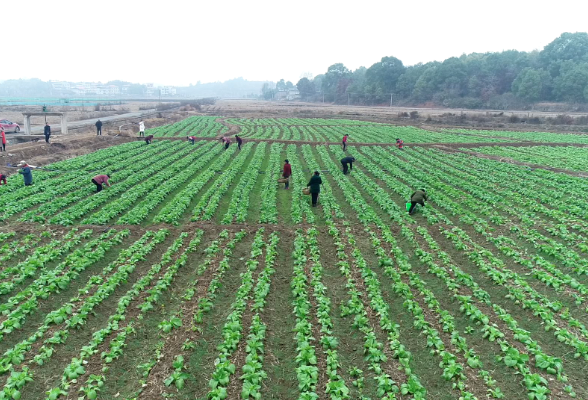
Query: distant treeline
point(558, 73)
point(233, 88)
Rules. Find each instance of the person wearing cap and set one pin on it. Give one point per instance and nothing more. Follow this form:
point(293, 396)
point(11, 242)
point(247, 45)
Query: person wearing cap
point(417, 197)
point(27, 175)
point(191, 139)
point(2, 140)
point(47, 132)
point(345, 141)
point(100, 180)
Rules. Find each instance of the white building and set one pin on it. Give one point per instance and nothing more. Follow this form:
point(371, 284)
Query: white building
point(168, 91)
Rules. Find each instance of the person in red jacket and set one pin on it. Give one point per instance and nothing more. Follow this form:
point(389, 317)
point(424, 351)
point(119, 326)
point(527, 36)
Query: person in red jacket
point(287, 174)
point(345, 141)
point(149, 139)
point(400, 144)
point(191, 139)
point(239, 141)
point(100, 180)
point(3, 180)
point(3, 139)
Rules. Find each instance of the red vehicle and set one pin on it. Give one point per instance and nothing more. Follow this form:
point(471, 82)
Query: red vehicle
point(9, 126)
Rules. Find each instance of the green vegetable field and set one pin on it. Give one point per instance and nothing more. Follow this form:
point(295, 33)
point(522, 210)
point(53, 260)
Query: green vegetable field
point(197, 276)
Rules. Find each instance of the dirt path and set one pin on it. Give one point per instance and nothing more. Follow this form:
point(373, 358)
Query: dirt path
point(65, 147)
point(233, 129)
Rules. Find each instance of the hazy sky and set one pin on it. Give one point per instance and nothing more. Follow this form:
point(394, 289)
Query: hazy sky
point(180, 42)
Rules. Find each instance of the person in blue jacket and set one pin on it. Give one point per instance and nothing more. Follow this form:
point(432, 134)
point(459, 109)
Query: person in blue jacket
point(27, 175)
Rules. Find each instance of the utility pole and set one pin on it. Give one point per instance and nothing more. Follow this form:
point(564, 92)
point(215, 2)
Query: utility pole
point(348, 95)
point(391, 94)
point(323, 97)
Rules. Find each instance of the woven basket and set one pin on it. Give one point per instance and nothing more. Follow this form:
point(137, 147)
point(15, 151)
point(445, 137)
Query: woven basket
point(306, 191)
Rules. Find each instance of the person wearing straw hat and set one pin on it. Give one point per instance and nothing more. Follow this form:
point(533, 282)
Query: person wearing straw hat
point(25, 170)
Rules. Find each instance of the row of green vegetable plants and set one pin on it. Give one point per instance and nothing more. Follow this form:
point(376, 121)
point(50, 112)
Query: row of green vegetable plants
point(14, 190)
point(268, 208)
point(210, 200)
point(232, 330)
point(218, 255)
point(172, 212)
point(486, 193)
point(13, 276)
point(120, 326)
point(50, 206)
point(543, 270)
point(97, 200)
point(239, 202)
point(26, 301)
point(453, 368)
point(18, 247)
point(58, 323)
point(531, 345)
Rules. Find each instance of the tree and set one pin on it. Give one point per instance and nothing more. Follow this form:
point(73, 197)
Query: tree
point(407, 81)
point(281, 85)
point(531, 84)
point(267, 91)
point(569, 46)
point(572, 82)
point(306, 88)
point(335, 81)
point(383, 76)
point(425, 86)
point(289, 85)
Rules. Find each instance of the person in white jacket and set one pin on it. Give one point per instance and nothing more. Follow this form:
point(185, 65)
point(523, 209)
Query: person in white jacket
point(142, 128)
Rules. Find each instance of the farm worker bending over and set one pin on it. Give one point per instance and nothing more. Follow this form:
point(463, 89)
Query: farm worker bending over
point(191, 139)
point(3, 180)
point(148, 139)
point(399, 144)
point(315, 187)
point(47, 132)
point(417, 197)
point(345, 141)
point(100, 180)
point(227, 142)
point(287, 174)
point(239, 141)
point(98, 128)
point(347, 163)
point(26, 173)
point(2, 140)
point(142, 128)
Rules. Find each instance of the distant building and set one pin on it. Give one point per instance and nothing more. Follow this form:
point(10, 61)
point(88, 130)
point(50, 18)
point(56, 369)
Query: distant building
point(293, 94)
point(60, 85)
point(167, 91)
point(281, 95)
